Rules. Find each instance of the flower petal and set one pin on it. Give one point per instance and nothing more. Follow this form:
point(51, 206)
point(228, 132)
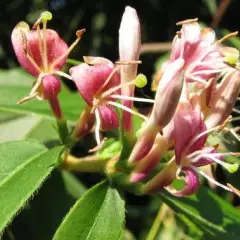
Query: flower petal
point(109, 118)
point(90, 79)
point(192, 184)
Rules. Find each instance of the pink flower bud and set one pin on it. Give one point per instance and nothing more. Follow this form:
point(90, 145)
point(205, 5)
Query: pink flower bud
point(129, 50)
point(166, 101)
point(147, 164)
point(223, 99)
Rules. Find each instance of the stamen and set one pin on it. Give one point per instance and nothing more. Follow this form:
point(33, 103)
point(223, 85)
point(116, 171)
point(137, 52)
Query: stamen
point(40, 44)
point(114, 89)
point(109, 78)
point(230, 167)
point(215, 129)
point(128, 62)
point(179, 34)
point(140, 81)
point(136, 99)
point(211, 179)
point(187, 21)
point(236, 110)
point(208, 71)
point(33, 92)
point(235, 119)
point(63, 74)
point(98, 147)
point(235, 190)
point(45, 16)
point(127, 110)
point(197, 79)
point(234, 134)
point(179, 170)
point(45, 57)
point(97, 127)
point(27, 98)
point(230, 35)
point(24, 40)
point(79, 34)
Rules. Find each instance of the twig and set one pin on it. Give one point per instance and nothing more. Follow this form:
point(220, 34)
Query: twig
point(157, 222)
point(155, 47)
point(220, 12)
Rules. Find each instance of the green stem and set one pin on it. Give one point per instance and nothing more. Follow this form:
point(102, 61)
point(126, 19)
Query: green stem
point(157, 222)
point(93, 163)
point(61, 122)
point(62, 130)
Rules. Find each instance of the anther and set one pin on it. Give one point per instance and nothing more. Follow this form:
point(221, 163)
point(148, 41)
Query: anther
point(230, 35)
point(45, 16)
point(80, 32)
point(187, 21)
point(235, 190)
point(24, 41)
point(128, 62)
point(179, 34)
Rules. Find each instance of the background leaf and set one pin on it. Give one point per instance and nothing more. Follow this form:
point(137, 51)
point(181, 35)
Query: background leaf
point(208, 212)
point(98, 215)
point(24, 165)
point(19, 84)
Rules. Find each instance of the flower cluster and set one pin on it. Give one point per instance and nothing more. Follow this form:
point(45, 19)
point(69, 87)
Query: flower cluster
point(196, 91)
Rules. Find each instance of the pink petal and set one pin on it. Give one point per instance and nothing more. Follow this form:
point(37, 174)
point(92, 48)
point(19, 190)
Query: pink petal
point(51, 86)
point(56, 47)
point(192, 184)
point(203, 161)
point(187, 125)
point(90, 79)
point(109, 118)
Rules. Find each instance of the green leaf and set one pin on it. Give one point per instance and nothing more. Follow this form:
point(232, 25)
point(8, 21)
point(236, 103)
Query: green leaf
point(211, 214)
point(19, 84)
point(24, 165)
point(98, 215)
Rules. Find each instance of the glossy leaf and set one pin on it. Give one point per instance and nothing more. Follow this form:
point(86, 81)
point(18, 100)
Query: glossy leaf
point(212, 215)
point(98, 215)
point(24, 165)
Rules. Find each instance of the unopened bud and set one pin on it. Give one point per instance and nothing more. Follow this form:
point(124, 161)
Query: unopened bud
point(168, 94)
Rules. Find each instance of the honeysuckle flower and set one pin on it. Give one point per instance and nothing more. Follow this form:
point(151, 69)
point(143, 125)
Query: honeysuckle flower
point(129, 50)
point(165, 103)
point(42, 53)
point(204, 57)
point(189, 134)
point(92, 82)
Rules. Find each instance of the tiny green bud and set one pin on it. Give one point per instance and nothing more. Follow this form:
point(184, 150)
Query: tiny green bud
point(141, 80)
point(232, 168)
point(46, 16)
